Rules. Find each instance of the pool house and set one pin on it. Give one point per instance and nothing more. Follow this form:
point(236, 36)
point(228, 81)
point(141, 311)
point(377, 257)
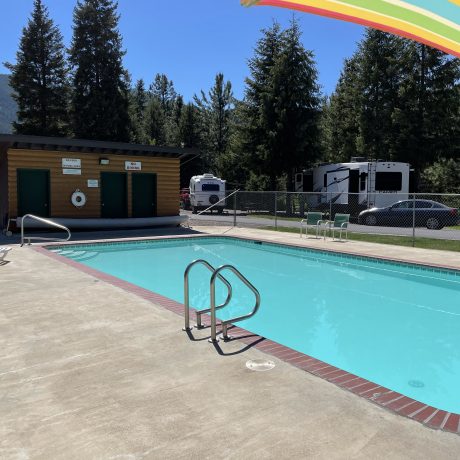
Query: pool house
point(85, 183)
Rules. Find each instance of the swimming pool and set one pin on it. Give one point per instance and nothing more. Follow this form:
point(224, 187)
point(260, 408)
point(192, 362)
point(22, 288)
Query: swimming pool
point(395, 324)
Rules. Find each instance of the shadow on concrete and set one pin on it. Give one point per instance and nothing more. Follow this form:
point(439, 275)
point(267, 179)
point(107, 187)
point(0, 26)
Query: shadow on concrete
point(195, 339)
point(257, 339)
point(242, 350)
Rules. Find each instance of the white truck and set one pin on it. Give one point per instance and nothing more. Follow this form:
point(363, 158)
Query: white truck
point(359, 183)
point(207, 190)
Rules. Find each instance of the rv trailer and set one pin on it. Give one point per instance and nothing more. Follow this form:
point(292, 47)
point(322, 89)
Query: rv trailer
point(356, 185)
point(205, 191)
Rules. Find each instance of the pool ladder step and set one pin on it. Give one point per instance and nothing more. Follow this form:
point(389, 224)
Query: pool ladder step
point(216, 273)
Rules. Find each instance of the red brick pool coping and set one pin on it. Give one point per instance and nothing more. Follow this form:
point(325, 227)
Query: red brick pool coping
point(395, 402)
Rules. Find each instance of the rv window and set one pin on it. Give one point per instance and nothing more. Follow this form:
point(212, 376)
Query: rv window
point(325, 180)
point(362, 181)
point(388, 181)
point(210, 187)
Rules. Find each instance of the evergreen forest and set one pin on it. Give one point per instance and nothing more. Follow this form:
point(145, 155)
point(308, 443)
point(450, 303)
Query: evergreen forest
point(396, 100)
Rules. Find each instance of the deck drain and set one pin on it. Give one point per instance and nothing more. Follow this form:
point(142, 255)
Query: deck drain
point(416, 383)
point(260, 365)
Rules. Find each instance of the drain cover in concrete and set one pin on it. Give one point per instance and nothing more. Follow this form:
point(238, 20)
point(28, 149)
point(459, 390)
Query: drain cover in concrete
point(260, 365)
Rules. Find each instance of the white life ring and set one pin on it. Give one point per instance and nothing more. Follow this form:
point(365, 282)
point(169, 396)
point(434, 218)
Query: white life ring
point(78, 199)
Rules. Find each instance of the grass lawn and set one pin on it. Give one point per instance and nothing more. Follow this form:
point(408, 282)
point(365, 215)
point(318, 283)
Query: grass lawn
point(426, 243)
point(270, 217)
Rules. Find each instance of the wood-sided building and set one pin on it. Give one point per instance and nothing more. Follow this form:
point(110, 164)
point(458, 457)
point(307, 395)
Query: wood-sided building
point(82, 179)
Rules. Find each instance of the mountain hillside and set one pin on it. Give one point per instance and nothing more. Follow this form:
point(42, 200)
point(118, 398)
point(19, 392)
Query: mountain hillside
point(7, 106)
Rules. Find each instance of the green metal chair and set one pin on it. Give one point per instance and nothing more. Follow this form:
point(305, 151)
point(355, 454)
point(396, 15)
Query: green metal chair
point(313, 219)
point(340, 224)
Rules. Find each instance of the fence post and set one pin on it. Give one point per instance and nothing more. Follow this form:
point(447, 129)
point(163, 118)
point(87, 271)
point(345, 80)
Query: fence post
point(234, 209)
point(276, 210)
point(329, 195)
point(413, 220)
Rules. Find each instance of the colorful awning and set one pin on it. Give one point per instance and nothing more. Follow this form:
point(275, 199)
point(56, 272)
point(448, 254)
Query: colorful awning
point(433, 22)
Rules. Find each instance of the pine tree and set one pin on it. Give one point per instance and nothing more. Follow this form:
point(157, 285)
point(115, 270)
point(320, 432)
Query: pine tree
point(139, 98)
point(155, 129)
point(215, 110)
point(164, 111)
point(188, 126)
point(380, 73)
point(256, 121)
point(296, 98)
point(39, 78)
point(163, 89)
point(427, 114)
point(188, 136)
point(282, 106)
point(340, 116)
point(396, 100)
point(101, 92)
point(172, 124)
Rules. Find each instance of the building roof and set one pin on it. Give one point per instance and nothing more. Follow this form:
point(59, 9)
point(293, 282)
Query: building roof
point(18, 141)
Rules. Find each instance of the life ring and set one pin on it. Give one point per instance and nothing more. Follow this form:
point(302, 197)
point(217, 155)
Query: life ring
point(78, 199)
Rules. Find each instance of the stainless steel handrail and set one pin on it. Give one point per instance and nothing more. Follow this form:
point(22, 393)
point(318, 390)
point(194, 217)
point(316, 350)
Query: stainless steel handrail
point(187, 296)
point(44, 221)
point(225, 323)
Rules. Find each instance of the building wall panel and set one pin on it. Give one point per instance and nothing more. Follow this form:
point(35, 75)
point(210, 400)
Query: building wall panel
point(62, 186)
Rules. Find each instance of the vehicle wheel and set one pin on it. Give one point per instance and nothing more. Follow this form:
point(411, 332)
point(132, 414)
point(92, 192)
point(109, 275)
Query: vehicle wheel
point(433, 224)
point(370, 220)
point(193, 210)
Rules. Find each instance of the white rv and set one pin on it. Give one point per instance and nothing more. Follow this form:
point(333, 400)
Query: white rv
point(206, 190)
point(359, 183)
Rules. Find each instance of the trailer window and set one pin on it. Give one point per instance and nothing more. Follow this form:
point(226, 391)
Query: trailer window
point(210, 187)
point(362, 181)
point(388, 181)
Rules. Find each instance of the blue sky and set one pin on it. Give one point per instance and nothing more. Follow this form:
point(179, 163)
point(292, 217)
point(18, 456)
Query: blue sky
point(191, 40)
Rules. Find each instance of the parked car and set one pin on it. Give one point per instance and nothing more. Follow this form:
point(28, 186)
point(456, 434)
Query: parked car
point(428, 213)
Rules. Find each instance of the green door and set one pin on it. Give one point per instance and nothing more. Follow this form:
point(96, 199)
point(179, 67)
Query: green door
point(33, 192)
point(113, 195)
point(144, 194)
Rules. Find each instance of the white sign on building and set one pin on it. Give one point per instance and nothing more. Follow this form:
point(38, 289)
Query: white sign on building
point(133, 166)
point(71, 163)
point(71, 172)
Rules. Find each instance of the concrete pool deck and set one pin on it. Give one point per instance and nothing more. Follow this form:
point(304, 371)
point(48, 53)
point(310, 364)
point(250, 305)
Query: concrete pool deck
point(89, 370)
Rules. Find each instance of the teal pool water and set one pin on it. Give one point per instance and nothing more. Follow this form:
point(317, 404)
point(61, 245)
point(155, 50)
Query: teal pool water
point(397, 325)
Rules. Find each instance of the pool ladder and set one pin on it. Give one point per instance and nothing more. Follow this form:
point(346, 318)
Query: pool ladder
point(28, 239)
point(216, 274)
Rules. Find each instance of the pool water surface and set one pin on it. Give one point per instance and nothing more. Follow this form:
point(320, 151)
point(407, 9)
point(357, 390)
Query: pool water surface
point(395, 324)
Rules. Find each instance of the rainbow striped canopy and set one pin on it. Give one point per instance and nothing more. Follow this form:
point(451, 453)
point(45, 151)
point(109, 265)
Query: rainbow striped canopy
point(433, 22)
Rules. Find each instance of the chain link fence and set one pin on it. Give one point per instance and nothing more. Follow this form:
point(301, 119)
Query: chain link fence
point(414, 216)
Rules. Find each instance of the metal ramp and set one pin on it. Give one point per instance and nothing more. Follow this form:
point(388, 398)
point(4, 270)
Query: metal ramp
point(216, 273)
